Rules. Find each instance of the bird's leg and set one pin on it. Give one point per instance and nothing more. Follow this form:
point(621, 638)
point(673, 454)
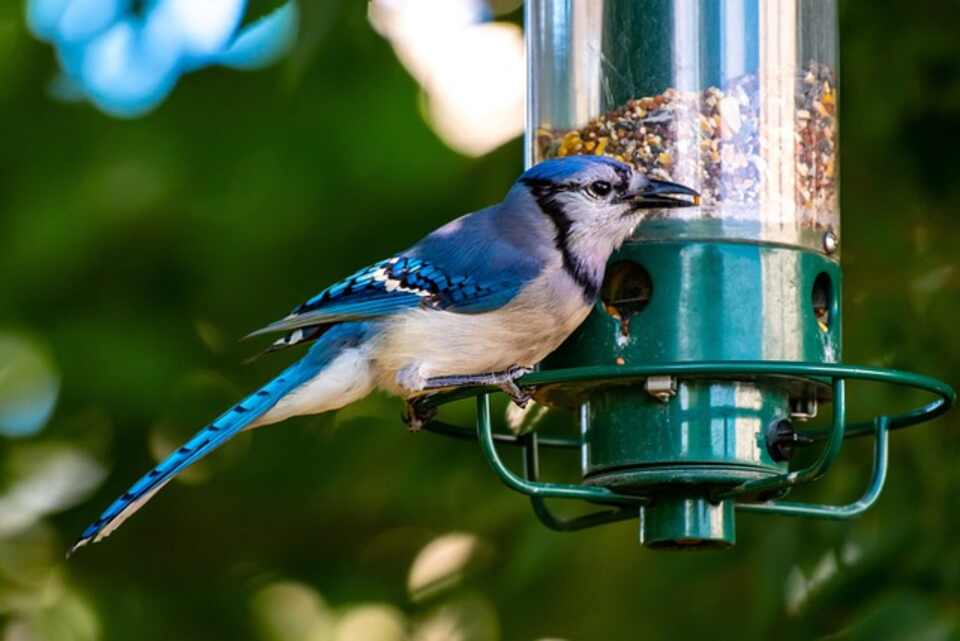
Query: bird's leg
point(506, 380)
point(508, 385)
point(418, 412)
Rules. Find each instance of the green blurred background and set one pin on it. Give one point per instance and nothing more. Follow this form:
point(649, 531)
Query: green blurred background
point(133, 254)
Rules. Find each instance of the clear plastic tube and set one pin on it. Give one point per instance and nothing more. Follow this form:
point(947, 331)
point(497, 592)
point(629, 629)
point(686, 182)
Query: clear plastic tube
point(735, 98)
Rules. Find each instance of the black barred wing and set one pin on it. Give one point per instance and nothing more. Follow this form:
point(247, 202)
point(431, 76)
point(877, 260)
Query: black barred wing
point(388, 287)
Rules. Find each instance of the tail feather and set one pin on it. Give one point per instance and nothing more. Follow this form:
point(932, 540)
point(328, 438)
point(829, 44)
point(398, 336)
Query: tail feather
point(334, 372)
point(202, 443)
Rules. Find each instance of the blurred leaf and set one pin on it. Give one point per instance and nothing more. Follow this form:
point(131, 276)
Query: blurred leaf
point(70, 619)
point(291, 611)
point(467, 617)
point(43, 479)
point(29, 386)
point(30, 576)
point(444, 562)
point(371, 623)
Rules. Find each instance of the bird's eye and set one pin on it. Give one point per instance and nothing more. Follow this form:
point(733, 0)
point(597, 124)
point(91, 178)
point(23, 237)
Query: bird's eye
point(599, 188)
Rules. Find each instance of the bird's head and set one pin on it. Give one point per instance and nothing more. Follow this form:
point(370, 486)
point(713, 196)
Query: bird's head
point(598, 196)
point(595, 202)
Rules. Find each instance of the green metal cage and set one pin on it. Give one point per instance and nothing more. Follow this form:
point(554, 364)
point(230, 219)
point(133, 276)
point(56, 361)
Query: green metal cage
point(685, 518)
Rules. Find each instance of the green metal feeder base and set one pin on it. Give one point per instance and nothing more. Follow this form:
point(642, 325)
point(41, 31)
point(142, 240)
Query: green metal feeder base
point(669, 521)
point(688, 381)
point(695, 301)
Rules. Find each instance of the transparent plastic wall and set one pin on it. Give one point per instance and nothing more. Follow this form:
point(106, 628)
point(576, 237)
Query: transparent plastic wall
point(735, 98)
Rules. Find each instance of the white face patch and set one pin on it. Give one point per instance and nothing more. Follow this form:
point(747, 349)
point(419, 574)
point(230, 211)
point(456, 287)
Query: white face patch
point(597, 223)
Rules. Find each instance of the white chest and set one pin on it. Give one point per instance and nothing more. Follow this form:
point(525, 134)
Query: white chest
point(432, 343)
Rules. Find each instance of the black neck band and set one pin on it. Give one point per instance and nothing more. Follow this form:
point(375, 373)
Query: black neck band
point(545, 195)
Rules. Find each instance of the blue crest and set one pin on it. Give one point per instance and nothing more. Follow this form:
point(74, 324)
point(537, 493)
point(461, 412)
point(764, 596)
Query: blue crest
point(564, 169)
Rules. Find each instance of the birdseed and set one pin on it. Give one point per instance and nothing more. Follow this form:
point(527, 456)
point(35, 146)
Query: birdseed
point(715, 141)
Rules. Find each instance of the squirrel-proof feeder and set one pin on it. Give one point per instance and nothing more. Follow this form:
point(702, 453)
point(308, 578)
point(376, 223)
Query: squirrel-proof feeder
point(718, 329)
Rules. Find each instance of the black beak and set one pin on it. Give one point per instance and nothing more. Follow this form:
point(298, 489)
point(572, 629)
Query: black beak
point(657, 195)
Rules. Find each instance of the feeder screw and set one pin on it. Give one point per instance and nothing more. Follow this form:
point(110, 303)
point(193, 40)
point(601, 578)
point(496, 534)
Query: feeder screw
point(662, 388)
point(830, 242)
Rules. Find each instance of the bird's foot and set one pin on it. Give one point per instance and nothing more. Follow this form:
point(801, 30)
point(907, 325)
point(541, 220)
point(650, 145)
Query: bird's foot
point(418, 412)
point(506, 380)
point(510, 388)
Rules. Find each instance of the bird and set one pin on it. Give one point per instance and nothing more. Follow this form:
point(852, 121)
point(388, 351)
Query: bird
point(479, 301)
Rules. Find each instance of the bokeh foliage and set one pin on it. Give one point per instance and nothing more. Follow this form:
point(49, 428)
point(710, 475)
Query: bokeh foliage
point(134, 253)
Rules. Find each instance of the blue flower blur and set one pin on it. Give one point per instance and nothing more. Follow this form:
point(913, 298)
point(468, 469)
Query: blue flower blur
point(126, 56)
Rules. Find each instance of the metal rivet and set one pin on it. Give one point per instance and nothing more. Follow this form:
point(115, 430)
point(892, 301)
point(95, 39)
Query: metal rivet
point(830, 242)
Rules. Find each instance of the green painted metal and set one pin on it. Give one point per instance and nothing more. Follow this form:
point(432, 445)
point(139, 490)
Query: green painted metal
point(717, 301)
point(746, 370)
point(686, 443)
point(531, 473)
point(747, 497)
point(535, 488)
point(823, 462)
point(699, 301)
point(840, 512)
point(682, 521)
point(697, 350)
point(712, 433)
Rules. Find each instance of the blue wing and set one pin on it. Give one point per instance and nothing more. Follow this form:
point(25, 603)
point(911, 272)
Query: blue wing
point(464, 267)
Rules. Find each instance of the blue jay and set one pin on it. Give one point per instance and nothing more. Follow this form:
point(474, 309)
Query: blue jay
point(479, 301)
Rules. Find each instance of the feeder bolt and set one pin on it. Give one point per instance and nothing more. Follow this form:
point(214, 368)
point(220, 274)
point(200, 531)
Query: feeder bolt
point(662, 388)
point(803, 409)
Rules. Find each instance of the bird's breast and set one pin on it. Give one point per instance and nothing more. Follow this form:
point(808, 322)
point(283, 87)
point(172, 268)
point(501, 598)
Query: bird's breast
point(443, 343)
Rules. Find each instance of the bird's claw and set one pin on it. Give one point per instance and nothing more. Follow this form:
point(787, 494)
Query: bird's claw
point(509, 386)
point(506, 380)
point(417, 413)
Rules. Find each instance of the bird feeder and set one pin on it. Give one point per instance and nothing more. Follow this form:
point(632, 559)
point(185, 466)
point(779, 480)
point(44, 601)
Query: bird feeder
point(718, 332)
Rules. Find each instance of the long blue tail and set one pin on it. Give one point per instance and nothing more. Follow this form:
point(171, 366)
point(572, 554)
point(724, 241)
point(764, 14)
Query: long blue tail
point(340, 337)
point(202, 443)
